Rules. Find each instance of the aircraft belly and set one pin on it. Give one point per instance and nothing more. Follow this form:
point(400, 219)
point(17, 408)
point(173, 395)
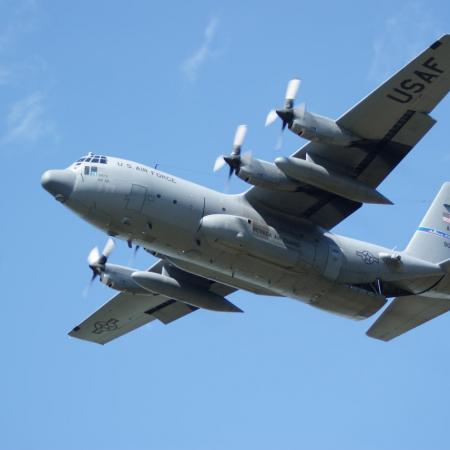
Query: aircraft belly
point(302, 283)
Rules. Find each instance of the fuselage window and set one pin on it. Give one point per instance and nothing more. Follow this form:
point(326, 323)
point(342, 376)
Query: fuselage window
point(88, 170)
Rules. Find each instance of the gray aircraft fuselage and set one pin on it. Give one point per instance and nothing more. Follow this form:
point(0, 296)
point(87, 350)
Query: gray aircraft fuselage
point(223, 238)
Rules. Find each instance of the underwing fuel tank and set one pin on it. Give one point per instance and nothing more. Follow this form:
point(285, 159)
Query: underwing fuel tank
point(183, 292)
point(318, 176)
point(247, 236)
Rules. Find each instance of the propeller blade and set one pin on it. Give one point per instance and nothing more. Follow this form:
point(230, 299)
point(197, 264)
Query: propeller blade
point(234, 159)
point(109, 247)
point(241, 131)
point(301, 110)
point(271, 117)
point(93, 257)
point(246, 158)
point(279, 141)
point(292, 89)
point(220, 162)
point(86, 290)
point(133, 255)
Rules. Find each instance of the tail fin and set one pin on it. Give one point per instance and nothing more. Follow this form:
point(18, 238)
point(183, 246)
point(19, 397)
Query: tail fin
point(431, 241)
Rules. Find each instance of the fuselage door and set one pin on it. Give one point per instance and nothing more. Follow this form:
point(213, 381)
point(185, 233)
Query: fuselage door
point(136, 197)
point(334, 261)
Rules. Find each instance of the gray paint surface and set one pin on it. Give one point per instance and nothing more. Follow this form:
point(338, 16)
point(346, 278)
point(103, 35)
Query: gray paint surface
point(266, 240)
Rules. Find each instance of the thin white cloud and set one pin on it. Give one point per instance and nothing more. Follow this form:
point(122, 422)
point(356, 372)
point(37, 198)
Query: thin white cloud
point(402, 36)
point(27, 121)
point(193, 63)
point(20, 20)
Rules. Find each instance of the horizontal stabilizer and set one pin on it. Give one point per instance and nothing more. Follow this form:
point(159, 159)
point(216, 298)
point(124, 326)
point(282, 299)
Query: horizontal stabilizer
point(406, 313)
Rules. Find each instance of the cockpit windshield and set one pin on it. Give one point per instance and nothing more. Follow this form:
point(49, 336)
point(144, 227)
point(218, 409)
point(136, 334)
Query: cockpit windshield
point(91, 158)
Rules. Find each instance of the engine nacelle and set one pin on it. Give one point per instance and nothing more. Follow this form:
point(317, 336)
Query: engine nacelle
point(119, 278)
point(321, 129)
point(264, 174)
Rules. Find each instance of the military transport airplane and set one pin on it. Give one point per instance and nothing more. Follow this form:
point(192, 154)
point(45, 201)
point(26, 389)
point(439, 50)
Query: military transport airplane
point(275, 238)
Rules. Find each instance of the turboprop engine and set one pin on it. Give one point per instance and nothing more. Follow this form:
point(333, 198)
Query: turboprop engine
point(319, 129)
point(112, 275)
point(289, 174)
point(254, 171)
point(310, 126)
point(134, 281)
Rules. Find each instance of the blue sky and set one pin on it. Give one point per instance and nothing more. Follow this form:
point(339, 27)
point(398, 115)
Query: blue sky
point(168, 83)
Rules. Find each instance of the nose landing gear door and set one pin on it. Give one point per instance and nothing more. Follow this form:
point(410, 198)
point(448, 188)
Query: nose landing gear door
point(136, 198)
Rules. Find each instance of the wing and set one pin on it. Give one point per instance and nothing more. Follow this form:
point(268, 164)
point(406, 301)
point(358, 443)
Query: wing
point(406, 313)
point(390, 122)
point(126, 312)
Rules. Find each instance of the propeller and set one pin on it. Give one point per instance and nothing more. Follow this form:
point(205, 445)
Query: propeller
point(97, 261)
point(133, 255)
point(286, 114)
point(234, 159)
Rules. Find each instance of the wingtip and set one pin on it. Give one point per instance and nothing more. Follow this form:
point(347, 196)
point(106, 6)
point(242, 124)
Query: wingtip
point(377, 337)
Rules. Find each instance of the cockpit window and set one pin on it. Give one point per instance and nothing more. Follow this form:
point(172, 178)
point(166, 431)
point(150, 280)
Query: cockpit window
point(91, 158)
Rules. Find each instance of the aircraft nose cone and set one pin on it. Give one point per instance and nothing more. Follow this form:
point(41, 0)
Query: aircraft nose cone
point(59, 183)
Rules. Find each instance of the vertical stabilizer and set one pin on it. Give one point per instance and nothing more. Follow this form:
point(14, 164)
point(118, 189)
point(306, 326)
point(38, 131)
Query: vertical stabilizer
point(431, 241)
